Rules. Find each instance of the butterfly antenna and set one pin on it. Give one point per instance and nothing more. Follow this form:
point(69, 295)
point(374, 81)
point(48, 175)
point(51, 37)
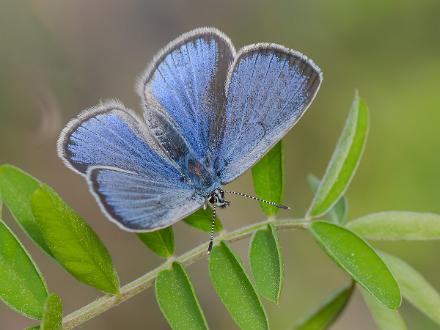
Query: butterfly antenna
point(280, 206)
point(211, 238)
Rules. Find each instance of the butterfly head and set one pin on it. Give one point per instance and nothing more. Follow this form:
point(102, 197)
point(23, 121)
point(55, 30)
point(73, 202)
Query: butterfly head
point(217, 198)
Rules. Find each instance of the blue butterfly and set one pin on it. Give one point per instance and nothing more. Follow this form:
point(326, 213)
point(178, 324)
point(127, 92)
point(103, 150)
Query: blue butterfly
point(209, 115)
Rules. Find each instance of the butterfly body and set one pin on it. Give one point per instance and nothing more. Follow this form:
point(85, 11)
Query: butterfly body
point(217, 198)
point(209, 114)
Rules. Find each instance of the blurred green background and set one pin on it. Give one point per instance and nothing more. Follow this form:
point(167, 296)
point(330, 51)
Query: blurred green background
point(59, 57)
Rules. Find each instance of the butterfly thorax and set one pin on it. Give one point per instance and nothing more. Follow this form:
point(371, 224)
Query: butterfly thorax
point(217, 198)
point(200, 175)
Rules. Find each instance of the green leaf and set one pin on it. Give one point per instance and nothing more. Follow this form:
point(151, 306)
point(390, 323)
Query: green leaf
point(53, 313)
point(16, 188)
point(234, 288)
point(268, 177)
point(327, 313)
point(397, 225)
point(177, 299)
point(160, 241)
point(313, 182)
point(385, 318)
point(344, 161)
point(338, 213)
point(415, 288)
point(22, 286)
point(73, 242)
point(266, 263)
point(358, 259)
point(202, 219)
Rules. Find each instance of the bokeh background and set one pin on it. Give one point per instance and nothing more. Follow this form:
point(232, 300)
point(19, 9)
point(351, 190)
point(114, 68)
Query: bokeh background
point(59, 57)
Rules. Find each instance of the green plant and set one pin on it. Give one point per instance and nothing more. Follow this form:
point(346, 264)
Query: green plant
point(65, 236)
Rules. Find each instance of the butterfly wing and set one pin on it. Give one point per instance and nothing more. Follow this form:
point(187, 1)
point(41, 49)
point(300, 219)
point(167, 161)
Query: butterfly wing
point(185, 83)
point(110, 135)
point(269, 88)
point(139, 202)
point(134, 182)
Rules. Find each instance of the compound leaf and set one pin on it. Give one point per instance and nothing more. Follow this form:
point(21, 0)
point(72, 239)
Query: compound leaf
point(160, 241)
point(358, 259)
point(268, 177)
point(397, 225)
point(234, 288)
point(202, 220)
point(415, 288)
point(385, 318)
point(266, 263)
point(344, 161)
point(177, 299)
point(327, 313)
point(73, 242)
point(22, 286)
point(16, 188)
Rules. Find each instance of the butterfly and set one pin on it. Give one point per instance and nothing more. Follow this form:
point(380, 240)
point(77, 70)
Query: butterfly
point(209, 114)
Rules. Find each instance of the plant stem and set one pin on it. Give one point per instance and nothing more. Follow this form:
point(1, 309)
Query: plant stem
point(131, 289)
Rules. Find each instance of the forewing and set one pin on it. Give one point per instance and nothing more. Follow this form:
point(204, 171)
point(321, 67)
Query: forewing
point(186, 80)
point(141, 202)
point(110, 135)
point(268, 89)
